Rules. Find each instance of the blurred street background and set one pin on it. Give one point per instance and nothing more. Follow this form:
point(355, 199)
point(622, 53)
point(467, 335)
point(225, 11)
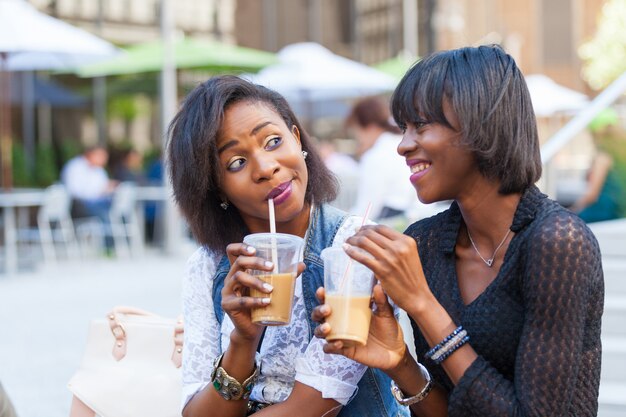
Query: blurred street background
point(88, 88)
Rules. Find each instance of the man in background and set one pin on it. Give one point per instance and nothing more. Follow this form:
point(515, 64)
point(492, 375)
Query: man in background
point(88, 183)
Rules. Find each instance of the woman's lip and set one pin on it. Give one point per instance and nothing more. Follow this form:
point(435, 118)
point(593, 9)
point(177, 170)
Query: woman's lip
point(284, 194)
point(280, 193)
point(414, 177)
point(411, 162)
point(277, 190)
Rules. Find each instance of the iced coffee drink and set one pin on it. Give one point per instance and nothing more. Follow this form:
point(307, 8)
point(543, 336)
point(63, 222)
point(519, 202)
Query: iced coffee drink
point(348, 286)
point(284, 251)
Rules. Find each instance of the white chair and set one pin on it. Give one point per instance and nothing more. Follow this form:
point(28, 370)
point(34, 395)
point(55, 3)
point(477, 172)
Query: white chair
point(54, 224)
point(122, 227)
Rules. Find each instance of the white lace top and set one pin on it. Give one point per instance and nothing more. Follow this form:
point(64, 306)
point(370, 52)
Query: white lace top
point(286, 354)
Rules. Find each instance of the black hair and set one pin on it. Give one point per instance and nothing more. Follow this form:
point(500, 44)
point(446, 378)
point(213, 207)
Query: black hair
point(489, 96)
point(193, 163)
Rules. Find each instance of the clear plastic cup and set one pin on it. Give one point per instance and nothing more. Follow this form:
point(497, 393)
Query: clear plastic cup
point(285, 251)
point(348, 285)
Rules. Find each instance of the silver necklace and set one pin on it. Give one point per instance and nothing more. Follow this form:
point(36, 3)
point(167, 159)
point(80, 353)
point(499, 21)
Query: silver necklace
point(489, 261)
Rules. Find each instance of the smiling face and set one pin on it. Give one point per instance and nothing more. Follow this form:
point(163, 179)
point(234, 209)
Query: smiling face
point(441, 168)
point(260, 158)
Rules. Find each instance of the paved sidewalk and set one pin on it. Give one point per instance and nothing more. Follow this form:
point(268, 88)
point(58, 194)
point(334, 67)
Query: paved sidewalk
point(44, 317)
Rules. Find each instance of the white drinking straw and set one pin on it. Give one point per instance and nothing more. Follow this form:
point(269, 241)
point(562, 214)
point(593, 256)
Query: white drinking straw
point(270, 203)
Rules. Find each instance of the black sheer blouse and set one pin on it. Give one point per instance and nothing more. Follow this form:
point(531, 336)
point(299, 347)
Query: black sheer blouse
point(536, 327)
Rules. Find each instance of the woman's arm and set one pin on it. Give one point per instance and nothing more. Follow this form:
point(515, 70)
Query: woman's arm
point(238, 359)
point(303, 401)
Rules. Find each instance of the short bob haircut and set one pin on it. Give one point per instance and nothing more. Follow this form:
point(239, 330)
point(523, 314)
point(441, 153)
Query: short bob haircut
point(489, 96)
point(193, 162)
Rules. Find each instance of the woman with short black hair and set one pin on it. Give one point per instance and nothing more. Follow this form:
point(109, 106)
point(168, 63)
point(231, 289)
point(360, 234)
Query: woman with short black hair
point(505, 288)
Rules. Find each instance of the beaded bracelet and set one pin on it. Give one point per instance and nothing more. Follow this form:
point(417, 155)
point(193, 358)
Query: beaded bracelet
point(447, 346)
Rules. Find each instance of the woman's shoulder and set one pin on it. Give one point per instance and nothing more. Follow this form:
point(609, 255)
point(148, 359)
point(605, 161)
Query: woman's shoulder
point(202, 264)
point(553, 222)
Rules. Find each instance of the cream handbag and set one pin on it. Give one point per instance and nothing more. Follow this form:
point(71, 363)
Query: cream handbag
point(130, 368)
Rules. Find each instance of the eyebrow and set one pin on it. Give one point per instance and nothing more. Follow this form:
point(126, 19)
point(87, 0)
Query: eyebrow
point(259, 127)
point(227, 145)
point(233, 142)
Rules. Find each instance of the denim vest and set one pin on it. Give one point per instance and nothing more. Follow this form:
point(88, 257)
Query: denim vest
point(373, 398)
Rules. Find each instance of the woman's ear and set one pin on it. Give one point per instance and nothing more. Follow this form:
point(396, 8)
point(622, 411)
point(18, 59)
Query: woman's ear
point(296, 133)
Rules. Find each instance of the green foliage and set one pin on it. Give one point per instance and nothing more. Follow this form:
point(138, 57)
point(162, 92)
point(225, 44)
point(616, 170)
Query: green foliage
point(123, 106)
point(69, 149)
point(46, 170)
point(604, 56)
point(21, 176)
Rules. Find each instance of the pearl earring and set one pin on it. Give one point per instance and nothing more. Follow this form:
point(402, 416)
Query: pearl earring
point(304, 154)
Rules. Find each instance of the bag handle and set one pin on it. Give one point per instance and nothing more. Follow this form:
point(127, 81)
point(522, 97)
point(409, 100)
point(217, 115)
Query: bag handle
point(119, 333)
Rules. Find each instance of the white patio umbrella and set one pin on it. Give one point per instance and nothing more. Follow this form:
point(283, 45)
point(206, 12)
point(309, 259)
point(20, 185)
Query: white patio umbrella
point(550, 98)
point(315, 81)
point(31, 40)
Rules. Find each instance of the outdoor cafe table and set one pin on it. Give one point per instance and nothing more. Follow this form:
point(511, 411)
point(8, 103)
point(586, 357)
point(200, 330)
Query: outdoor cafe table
point(10, 200)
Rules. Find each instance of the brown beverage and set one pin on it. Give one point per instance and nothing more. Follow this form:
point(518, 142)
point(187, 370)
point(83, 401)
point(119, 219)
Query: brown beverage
point(278, 311)
point(349, 319)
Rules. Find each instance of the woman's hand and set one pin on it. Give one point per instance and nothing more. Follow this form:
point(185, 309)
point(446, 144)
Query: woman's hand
point(236, 301)
point(394, 259)
point(385, 346)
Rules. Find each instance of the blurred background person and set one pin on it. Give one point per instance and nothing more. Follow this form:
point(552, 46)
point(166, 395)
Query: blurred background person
point(88, 183)
point(340, 163)
point(345, 168)
point(605, 195)
point(126, 164)
point(383, 177)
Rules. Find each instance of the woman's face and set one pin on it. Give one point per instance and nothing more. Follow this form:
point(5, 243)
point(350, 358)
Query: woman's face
point(261, 158)
point(440, 167)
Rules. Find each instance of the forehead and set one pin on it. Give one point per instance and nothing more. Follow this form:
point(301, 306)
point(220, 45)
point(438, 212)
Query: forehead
point(242, 117)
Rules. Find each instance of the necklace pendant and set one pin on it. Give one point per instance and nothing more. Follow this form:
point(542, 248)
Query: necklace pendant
point(489, 262)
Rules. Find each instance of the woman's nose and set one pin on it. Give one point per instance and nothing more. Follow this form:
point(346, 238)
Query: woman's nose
point(407, 144)
point(265, 167)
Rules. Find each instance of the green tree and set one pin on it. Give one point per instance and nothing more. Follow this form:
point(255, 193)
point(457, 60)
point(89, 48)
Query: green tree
point(604, 55)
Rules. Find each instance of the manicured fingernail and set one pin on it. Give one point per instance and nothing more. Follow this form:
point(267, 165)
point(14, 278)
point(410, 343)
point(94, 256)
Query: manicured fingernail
point(325, 327)
point(250, 249)
point(269, 264)
point(265, 300)
point(267, 287)
point(345, 246)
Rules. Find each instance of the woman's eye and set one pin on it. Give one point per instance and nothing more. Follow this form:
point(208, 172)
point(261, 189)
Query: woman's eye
point(273, 142)
point(236, 164)
point(420, 124)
